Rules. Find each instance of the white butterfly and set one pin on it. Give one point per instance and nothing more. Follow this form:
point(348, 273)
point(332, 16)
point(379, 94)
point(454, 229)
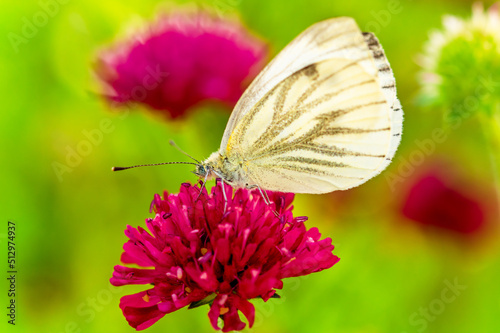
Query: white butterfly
point(322, 116)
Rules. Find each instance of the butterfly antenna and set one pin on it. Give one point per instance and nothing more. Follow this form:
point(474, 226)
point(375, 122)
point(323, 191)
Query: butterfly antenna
point(142, 165)
point(172, 143)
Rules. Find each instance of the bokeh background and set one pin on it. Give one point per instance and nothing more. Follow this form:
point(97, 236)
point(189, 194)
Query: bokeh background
point(395, 273)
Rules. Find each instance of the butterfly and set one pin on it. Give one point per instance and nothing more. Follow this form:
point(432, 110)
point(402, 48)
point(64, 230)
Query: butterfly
point(321, 116)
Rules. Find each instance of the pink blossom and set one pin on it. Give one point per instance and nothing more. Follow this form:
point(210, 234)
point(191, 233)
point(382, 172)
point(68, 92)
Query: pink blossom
point(183, 60)
point(194, 253)
point(432, 201)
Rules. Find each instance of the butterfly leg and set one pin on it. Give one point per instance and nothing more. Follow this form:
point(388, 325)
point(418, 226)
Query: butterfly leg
point(223, 190)
point(224, 194)
point(264, 196)
point(202, 187)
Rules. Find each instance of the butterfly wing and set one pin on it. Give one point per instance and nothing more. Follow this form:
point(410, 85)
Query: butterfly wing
point(321, 116)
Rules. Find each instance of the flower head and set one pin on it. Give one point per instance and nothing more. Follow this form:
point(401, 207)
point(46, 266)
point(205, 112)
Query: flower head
point(431, 201)
point(462, 64)
point(182, 60)
point(209, 251)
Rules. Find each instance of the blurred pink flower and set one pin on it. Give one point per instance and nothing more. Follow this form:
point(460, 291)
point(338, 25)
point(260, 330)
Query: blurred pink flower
point(198, 254)
point(431, 201)
point(184, 59)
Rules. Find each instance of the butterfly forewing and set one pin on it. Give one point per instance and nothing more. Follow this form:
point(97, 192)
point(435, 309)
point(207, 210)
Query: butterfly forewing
point(388, 85)
point(322, 116)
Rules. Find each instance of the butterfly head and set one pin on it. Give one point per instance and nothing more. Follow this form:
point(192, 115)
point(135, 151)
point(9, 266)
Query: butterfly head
point(202, 170)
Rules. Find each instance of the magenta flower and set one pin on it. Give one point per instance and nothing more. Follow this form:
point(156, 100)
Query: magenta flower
point(183, 60)
point(196, 254)
point(431, 201)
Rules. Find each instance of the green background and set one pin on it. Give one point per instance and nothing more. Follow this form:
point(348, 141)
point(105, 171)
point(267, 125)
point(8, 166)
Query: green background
point(69, 229)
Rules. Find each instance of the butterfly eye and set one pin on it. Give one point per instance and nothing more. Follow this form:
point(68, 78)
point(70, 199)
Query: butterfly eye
point(202, 170)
